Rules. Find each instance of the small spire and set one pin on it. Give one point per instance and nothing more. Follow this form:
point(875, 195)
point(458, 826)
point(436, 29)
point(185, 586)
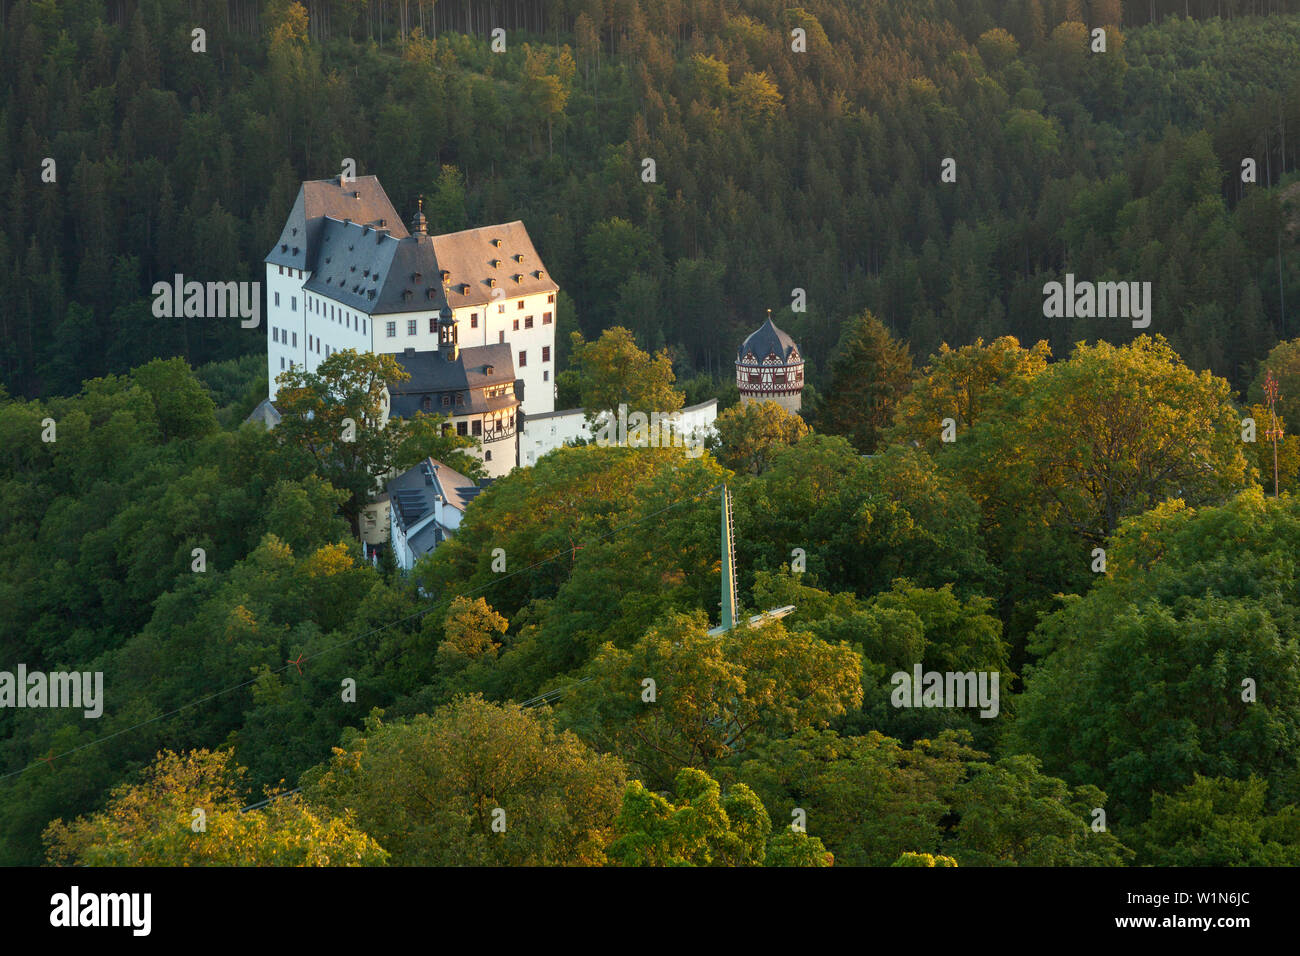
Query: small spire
point(419, 225)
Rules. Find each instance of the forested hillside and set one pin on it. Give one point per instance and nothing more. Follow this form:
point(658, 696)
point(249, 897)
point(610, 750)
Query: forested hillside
point(1097, 514)
point(774, 170)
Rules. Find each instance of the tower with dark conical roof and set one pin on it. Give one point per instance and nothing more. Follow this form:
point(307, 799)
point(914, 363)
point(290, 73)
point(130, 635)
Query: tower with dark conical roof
point(769, 368)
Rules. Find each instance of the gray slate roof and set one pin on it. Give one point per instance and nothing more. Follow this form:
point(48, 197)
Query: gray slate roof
point(265, 414)
point(361, 200)
point(350, 238)
point(370, 271)
point(431, 374)
point(767, 340)
point(468, 257)
point(413, 492)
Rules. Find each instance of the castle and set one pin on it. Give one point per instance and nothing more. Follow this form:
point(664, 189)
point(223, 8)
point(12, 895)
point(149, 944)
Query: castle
point(469, 315)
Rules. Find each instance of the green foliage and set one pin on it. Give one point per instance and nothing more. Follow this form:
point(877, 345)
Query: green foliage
point(701, 827)
point(748, 435)
point(474, 784)
point(709, 693)
point(1140, 686)
point(612, 371)
point(870, 372)
point(1220, 822)
point(154, 823)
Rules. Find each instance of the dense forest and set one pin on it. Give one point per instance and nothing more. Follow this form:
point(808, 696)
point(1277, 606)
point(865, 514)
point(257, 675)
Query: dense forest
point(774, 170)
point(1089, 510)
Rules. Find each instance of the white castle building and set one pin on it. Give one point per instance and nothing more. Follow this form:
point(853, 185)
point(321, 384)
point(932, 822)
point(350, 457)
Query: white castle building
point(469, 315)
point(346, 274)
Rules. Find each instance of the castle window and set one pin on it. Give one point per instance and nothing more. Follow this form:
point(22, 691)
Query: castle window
point(392, 329)
point(487, 456)
point(546, 376)
point(426, 404)
point(363, 326)
point(293, 303)
point(523, 359)
point(551, 297)
point(446, 401)
point(433, 325)
point(460, 398)
point(546, 353)
point(516, 326)
point(277, 300)
point(501, 307)
point(528, 322)
point(282, 363)
point(520, 305)
point(295, 339)
point(461, 428)
point(478, 427)
point(410, 326)
point(501, 337)
point(281, 268)
point(546, 318)
point(473, 320)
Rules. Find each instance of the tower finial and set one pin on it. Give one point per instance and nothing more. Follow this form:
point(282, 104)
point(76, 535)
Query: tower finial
point(419, 225)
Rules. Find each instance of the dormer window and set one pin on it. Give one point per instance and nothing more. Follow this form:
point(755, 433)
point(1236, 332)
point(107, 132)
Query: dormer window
point(519, 257)
point(492, 283)
point(496, 243)
point(495, 262)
